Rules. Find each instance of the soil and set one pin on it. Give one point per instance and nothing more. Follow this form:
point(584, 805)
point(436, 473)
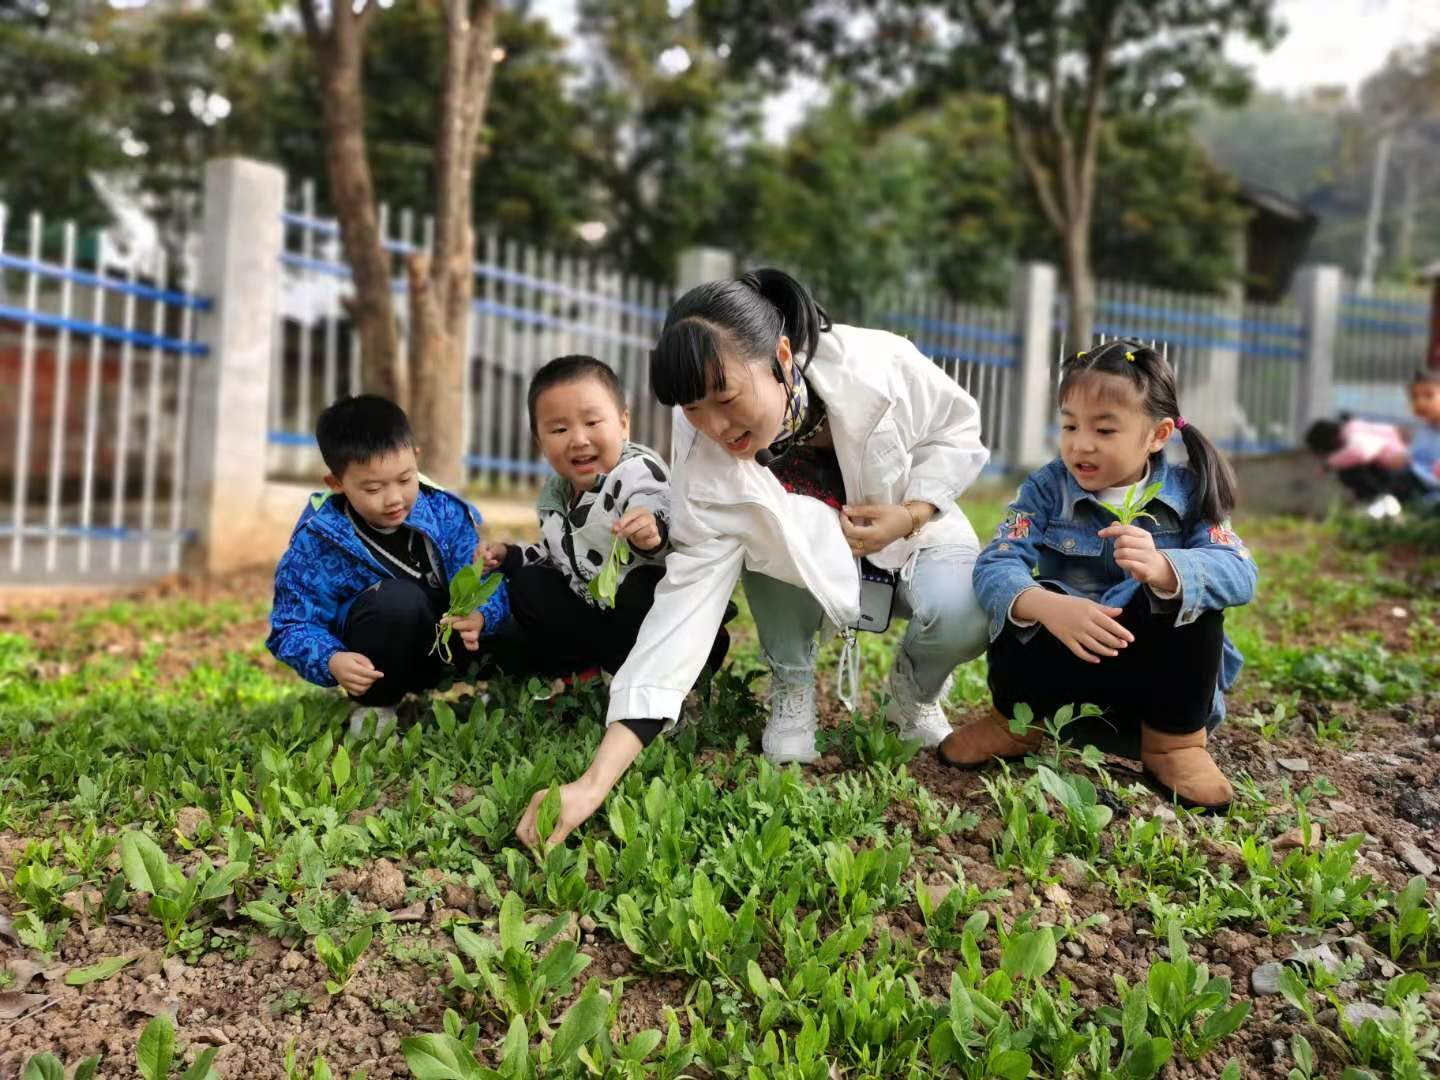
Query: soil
point(256, 996)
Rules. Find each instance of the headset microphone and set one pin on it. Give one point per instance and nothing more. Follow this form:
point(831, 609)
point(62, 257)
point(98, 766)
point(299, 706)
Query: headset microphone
point(765, 458)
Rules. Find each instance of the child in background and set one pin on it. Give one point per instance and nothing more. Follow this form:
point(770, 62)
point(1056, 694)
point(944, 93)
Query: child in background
point(1360, 453)
point(604, 487)
point(367, 574)
point(1084, 609)
point(1423, 459)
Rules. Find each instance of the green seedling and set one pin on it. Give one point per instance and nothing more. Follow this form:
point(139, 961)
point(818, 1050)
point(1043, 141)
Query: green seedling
point(604, 585)
point(341, 960)
point(173, 895)
point(155, 1055)
point(468, 592)
point(49, 1067)
point(1133, 508)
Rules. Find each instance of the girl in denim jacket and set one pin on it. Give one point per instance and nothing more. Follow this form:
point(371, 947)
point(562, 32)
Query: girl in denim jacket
point(1084, 609)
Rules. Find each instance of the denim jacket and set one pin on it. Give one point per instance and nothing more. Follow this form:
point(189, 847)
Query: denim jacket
point(1049, 538)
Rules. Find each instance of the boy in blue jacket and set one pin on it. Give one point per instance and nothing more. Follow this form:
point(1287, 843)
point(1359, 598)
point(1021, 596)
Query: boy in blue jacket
point(367, 575)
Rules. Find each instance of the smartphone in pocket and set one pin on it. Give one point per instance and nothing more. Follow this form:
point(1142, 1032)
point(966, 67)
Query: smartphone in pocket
point(877, 598)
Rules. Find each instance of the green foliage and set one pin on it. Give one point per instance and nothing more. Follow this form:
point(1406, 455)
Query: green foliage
point(174, 896)
point(604, 584)
point(340, 960)
point(1133, 508)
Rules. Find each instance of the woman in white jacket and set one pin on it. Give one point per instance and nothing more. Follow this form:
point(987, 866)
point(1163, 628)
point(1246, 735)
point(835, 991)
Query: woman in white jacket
point(800, 447)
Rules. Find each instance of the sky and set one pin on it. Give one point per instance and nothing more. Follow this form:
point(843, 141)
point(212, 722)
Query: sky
point(1329, 42)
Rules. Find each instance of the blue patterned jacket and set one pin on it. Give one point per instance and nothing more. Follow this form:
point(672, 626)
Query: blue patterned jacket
point(327, 566)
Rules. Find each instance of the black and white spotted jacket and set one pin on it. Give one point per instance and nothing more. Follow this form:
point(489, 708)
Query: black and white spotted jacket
point(575, 536)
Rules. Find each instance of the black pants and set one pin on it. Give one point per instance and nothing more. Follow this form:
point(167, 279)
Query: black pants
point(392, 624)
point(563, 634)
point(1369, 482)
point(1165, 678)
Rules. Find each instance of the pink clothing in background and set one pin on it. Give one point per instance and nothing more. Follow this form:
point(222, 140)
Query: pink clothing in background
point(1365, 442)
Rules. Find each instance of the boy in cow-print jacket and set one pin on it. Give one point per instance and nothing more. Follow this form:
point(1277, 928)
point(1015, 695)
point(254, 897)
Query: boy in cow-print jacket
point(604, 486)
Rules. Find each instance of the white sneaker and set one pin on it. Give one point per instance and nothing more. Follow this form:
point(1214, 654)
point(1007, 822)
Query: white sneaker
point(1387, 506)
point(384, 720)
point(790, 734)
point(913, 718)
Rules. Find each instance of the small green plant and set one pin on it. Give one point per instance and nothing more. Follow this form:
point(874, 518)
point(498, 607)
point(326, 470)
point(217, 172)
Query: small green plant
point(49, 1067)
point(340, 960)
point(1188, 1005)
point(39, 935)
point(510, 976)
point(606, 583)
point(1415, 925)
point(1133, 508)
point(468, 591)
point(174, 897)
point(155, 1054)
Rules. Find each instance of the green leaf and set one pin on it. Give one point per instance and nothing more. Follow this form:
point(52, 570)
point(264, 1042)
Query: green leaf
point(222, 882)
point(43, 1067)
point(97, 972)
point(340, 768)
point(439, 1057)
point(512, 922)
point(202, 1069)
point(87, 1069)
point(146, 868)
point(584, 1021)
point(156, 1050)
point(1010, 1065)
point(548, 814)
point(1030, 955)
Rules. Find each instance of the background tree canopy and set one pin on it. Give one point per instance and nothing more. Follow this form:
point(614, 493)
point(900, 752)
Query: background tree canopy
point(653, 128)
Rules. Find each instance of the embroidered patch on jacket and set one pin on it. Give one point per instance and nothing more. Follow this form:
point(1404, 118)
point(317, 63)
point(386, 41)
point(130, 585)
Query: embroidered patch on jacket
point(1016, 526)
point(1221, 534)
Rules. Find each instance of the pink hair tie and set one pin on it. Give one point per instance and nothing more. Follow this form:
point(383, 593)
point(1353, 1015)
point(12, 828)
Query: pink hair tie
point(1179, 423)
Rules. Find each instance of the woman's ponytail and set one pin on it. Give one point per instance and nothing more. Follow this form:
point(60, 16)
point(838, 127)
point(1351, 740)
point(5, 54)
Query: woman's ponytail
point(803, 319)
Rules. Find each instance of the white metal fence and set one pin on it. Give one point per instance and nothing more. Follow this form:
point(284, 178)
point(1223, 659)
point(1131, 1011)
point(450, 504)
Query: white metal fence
point(96, 364)
point(106, 371)
point(1379, 345)
point(530, 305)
point(1237, 365)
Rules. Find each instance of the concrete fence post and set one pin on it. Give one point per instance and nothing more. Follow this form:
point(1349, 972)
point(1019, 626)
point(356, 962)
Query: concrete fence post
point(240, 271)
point(1319, 290)
point(1027, 442)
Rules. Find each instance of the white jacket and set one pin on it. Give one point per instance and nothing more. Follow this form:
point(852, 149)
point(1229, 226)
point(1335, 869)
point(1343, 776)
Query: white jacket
point(903, 431)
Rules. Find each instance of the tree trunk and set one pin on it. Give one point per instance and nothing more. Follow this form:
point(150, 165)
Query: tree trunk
point(1080, 283)
point(442, 285)
point(339, 56)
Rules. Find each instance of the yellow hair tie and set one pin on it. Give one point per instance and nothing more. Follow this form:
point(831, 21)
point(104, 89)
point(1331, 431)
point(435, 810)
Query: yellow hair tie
point(1130, 356)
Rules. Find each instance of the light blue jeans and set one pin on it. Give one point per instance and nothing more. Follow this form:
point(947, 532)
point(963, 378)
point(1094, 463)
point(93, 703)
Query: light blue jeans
point(947, 625)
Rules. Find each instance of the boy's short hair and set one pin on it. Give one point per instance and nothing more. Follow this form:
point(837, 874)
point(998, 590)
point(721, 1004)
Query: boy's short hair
point(1425, 375)
point(1323, 436)
point(565, 369)
point(357, 429)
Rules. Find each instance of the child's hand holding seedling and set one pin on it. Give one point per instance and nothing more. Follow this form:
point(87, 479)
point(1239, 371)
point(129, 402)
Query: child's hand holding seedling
point(1134, 547)
point(467, 626)
point(468, 594)
point(605, 584)
point(1135, 553)
point(639, 527)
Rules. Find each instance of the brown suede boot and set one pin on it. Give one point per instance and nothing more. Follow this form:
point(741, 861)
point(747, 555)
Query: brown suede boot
point(974, 743)
point(1182, 767)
